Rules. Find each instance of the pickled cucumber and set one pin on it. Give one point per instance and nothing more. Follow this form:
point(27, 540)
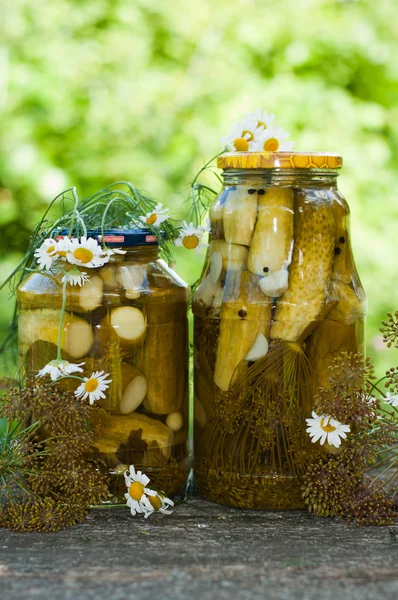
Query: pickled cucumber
point(243, 316)
point(239, 217)
point(125, 325)
point(310, 270)
point(167, 336)
point(234, 256)
point(121, 428)
point(272, 242)
point(43, 324)
point(349, 306)
point(325, 343)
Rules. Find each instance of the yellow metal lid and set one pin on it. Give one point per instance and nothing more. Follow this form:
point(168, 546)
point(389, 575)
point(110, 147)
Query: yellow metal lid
point(279, 160)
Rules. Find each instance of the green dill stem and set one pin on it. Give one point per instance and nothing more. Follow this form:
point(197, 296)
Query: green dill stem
point(111, 190)
point(218, 177)
point(61, 320)
point(387, 450)
point(374, 386)
point(103, 219)
point(205, 166)
point(82, 223)
point(380, 380)
point(195, 208)
point(32, 244)
point(124, 197)
point(67, 377)
point(15, 271)
point(74, 212)
point(392, 477)
point(88, 204)
point(194, 186)
point(379, 463)
point(386, 412)
point(385, 471)
point(135, 194)
point(206, 187)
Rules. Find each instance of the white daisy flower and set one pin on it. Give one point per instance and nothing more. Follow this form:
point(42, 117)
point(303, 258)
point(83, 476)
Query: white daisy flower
point(156, 217)
point(87, 253)
point(76, 277)
point(93, 387)
point(63, 245)
point(262, 119)
point(46, 254)
point(273, 139)
point(112, 251)
point(191, 236)
point(393, 400)
point(59, 368)
point(138, 495)
point(161, 503)
point(242, 137)
point(326, 429)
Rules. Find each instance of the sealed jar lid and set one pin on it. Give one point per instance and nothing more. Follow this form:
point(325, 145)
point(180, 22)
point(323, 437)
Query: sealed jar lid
point(121, 238)
point(279, 160)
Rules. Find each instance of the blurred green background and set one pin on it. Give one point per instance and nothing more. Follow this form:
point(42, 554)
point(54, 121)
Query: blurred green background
point(92, 91)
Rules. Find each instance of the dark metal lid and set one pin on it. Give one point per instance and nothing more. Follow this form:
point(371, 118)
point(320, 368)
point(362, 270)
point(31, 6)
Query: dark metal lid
point(121, 238)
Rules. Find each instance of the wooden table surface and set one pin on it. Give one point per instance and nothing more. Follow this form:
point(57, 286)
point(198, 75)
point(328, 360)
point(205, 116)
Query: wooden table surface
point(202, 551)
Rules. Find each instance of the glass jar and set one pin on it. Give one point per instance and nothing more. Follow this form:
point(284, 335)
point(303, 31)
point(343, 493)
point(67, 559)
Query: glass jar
point(278, 300)
point(129, 320)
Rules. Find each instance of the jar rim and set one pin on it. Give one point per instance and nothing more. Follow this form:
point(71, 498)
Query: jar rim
point(279, 160)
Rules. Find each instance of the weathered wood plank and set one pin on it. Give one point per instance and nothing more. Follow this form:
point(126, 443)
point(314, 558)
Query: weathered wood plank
point(202, 551)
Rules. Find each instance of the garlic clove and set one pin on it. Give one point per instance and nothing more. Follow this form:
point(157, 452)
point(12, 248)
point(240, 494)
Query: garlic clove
point(215, 266)
point(275, 284)
point(259, 348)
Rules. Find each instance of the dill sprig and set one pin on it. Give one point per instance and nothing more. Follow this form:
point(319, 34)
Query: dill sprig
point(108, 208)
point(119, 205)
point(19, 455)
point(202, 195)
point(390, 330)
point(357, 482)
point(113, 207)
point(48, 475)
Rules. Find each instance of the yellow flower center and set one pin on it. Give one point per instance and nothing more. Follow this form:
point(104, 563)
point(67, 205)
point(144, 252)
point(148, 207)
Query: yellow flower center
point(249, 133)
point(261, 124)
point(155, 501)
point(151, 220)
point(61, 253)
point(190, 242)
point(91, 385)
point(328, 427)
point(84, 255)
point(271, 145)
point(241, 145)
point(50, 249)
point(136, 490)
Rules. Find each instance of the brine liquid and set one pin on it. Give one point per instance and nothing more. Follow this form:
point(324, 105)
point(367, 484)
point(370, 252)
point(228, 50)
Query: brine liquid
point(147, 400)
point(251, 446)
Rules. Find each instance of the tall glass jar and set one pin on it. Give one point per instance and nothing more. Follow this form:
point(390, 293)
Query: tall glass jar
point(129, 320)
point(279, 298)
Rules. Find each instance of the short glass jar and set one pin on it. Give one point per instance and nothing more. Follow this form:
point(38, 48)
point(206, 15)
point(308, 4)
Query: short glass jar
point(279, 299)
point(128, 320)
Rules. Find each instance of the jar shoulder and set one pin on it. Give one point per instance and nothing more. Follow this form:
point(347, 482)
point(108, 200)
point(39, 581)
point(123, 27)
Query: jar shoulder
point(114, 283)
point(287, 240)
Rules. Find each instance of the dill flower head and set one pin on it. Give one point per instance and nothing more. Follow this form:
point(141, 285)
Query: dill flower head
point(390, 329)
point(58, 475)
point(351, 373)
